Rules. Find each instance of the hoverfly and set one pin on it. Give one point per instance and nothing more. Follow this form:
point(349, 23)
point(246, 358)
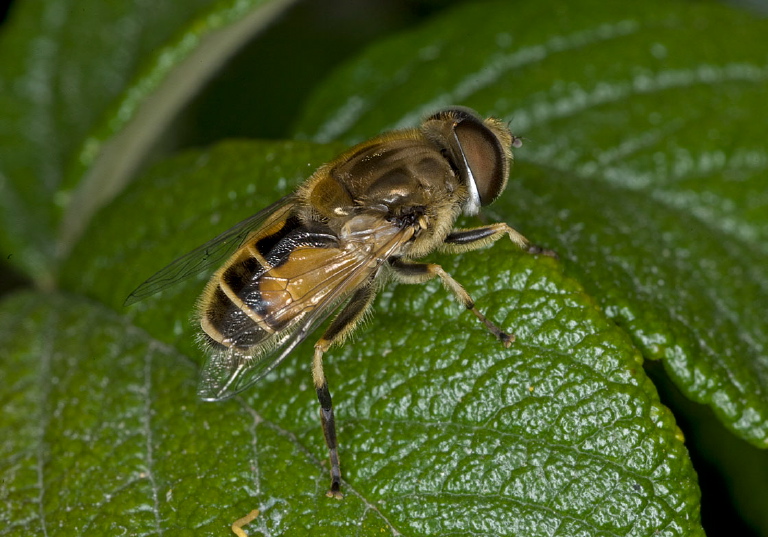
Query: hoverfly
point(357, 222)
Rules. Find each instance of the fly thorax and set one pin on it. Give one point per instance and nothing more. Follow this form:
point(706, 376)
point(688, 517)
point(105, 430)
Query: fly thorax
point(368, 235)
point(358, 228)
point(413, 217)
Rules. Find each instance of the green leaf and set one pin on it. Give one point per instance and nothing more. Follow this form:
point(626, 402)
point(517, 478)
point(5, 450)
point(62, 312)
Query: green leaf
point(437, 421)
point(72, 80)
point(109, 434)
point(644, 165)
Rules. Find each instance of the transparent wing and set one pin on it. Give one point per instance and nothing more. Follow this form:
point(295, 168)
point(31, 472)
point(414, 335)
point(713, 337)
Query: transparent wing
point(228, 372)
point(210, 254)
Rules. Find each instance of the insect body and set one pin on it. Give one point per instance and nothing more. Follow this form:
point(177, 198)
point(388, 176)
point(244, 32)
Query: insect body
point(357, 222)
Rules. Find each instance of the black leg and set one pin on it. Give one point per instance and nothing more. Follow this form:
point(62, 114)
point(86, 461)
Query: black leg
point(329, 431)
point(341, 326)
point(465, 240)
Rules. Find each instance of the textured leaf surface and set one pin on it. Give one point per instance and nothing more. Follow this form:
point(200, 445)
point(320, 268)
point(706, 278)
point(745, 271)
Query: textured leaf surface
point(644, 165)
point(442, 430)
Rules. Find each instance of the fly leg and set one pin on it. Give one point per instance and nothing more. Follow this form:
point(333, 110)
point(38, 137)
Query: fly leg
point(420, 272)
point(340, 328)
point(466, 240)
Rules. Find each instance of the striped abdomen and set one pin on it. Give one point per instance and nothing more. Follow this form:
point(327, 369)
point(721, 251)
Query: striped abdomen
point(270, 283)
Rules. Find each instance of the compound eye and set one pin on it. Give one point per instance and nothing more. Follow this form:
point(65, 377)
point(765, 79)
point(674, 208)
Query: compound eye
point(484, 156)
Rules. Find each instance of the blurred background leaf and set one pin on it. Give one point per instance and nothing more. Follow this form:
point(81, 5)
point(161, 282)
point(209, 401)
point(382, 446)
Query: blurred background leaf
point(72, 80)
